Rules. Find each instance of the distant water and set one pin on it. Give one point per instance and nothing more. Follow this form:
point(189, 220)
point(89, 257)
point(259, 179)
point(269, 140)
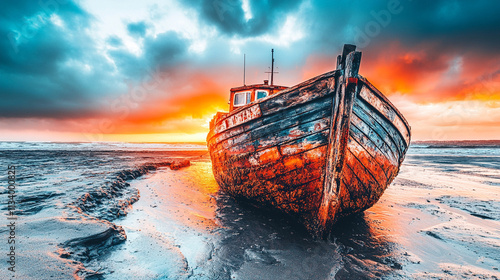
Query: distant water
point(100, 146)
point(457, 148)
point(81, 215)
point(51, 174)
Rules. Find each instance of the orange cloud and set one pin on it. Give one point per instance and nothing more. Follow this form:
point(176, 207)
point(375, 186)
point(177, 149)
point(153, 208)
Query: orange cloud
point(182, 107)
point(443, 95)
point(433, 75)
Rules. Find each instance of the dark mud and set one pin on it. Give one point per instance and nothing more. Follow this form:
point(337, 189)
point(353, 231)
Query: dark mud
point(109, 202)
point(114, 198)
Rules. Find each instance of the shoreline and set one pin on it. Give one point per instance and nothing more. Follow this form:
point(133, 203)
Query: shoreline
point(438, 220)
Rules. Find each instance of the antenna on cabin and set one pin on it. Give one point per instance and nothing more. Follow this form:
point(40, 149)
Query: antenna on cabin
point(244, 67)
point(272, 66)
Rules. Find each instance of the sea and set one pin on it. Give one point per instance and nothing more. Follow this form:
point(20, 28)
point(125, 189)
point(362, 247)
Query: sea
point(138, 211)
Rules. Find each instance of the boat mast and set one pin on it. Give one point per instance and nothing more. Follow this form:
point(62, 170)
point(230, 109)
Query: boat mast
point(272, 66)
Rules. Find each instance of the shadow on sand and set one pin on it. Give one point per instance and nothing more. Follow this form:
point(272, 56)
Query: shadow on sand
point(260, 245)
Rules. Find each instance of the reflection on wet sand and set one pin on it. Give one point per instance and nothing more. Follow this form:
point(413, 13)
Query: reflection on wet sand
point(209, 235)
point(427, 225)
point(263, 246)
point(439, 219)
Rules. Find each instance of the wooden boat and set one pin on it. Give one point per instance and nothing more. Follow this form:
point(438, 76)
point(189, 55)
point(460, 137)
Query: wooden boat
point(318, 151)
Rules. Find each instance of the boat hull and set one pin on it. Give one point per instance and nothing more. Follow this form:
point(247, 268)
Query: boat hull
point(311, 151)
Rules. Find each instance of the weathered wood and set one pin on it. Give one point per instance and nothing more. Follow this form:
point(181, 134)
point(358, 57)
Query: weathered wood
point(363, 151)
point(371, 167)
point(318, 151)
point(353, 61)
point(304, 150)
point(283, 96)
point(313, 105)
point(326, 208)
point(305, 143)
point(377, 152)
point(301, 132)
point(276, 169)
point(385, 107)
point(353, 188)
point(351, 87)
point(339, 137)
point(292, 127)
point(286, 129)
point(297, 97)
point(244, 116)
point(345, 52)
point(380, 126)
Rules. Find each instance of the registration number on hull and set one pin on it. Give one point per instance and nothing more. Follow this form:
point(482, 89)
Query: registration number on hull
point(244, 116)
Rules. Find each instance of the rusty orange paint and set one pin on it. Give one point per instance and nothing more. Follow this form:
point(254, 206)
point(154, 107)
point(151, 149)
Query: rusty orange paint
point(293, 162)
point(268, 155)
point(317, 151)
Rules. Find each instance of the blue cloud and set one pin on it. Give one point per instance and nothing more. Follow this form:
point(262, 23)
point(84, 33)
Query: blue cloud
point(51, 66)
point(137, 29)
point(164, 51)
point(228, 15)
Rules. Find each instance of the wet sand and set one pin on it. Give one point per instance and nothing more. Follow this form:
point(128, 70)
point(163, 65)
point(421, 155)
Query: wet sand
point(438, 220)
point(66, 202)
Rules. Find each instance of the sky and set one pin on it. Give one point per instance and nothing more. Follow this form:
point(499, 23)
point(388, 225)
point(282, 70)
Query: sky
point(157, 71)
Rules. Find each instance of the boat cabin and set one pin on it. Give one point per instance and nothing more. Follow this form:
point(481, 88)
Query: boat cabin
point(241, 96)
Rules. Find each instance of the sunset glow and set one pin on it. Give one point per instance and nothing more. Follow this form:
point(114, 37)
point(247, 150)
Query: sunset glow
point(158, 71)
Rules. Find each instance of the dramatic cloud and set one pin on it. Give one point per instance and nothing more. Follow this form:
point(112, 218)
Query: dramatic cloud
point(118, 68)
point(244, 18)
point(50, 66)
point(164, 51)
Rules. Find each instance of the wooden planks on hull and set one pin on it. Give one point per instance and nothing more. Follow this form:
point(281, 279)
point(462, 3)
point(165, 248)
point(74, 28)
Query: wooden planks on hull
point(282, 119)
point(363, 180)
point(383, 106)
point(323, 149)
point(371, 147)
point(279, 158)
point(282, 127)
point(284, 166)
point(374, 153)
point(298, 95)
point(382, 127)
point(288, 183)
point(285, 131)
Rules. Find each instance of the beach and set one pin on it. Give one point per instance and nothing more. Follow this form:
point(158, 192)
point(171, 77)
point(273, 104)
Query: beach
point(100, 211)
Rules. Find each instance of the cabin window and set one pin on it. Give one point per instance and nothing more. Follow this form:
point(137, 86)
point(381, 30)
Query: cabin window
point(242, 98)
point(261, 94)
